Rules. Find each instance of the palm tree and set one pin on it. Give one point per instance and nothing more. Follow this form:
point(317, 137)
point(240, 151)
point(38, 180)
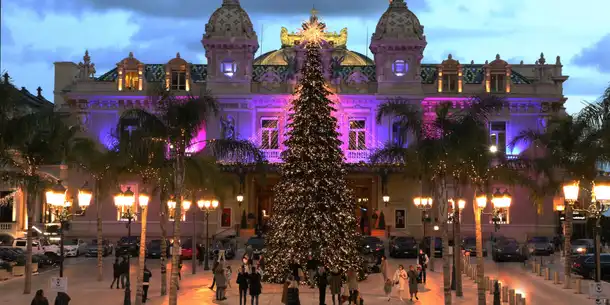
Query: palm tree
point(29, 141)
point(175, 124)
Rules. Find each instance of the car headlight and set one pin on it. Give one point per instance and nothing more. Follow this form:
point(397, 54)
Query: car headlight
point(581, 250)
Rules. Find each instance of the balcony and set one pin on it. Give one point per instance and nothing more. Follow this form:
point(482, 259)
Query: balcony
point(272, 155)
point(8, 227)
point(355, 156)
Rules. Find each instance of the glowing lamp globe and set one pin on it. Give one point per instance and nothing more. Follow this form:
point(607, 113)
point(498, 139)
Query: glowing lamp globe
point(214, 204)
point(570, 191)
point(493, 149)
point(129, 197)
point(417, 201)
point(186, 205)
point(602, 192)
point(200, 204)
point(56, 196)
point(481, 201)
point(171, 204)
point(84, 196)
point(385, 198)
point(119, 199)
point(461, 204)
point(240, 198)
point(143, 199)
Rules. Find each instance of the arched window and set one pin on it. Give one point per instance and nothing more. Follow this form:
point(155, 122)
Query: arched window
point(400, 67)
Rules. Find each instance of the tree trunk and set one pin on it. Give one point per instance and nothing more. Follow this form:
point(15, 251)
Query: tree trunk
point(100, 246)
point(141, 259)
point(480, 262)
point(27, 289)
point(179, 179)
point(446, 263)
point(163, 223)
point(567, 233)
point(457, 251)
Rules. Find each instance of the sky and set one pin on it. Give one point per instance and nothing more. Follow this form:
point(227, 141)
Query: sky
point(37, 33)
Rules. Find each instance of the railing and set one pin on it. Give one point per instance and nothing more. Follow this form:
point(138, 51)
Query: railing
point(272, 155)
point(6, 226)
point(355, 156)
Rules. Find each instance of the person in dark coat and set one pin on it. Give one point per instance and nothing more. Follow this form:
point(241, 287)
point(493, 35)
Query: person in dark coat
point(124, 269)
point(294, 268)
point(412, 276)
point(292, 296)
point(289, 280)
point(146, 283)
point(335, 285)
point(216, 263)
point(242, 282)
point(255, 286)
point(62, 299)
point(312, 267)
point(116, 269)
point(39, 298)
point(261, 262)
point(322, 281)
point(200, 254)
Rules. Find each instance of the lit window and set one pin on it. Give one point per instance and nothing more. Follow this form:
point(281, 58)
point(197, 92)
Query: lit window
point(131, 80)
point(449, 82)
point(400, 67)
point(502, 216)
point(178, 80)
point(497, 136)
point(228, 68)
point(357, 134)
point(498, 83)
point(399, 135)
point(270, 133)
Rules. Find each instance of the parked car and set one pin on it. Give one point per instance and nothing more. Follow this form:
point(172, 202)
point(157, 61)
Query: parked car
point(51, 247)
point(507, 250)
point(403, 246)
point(258, 245)
point(584, 265)
point(372, 244)
point(9, 254)
point(187, 250)
point(438, 246)
point(469, 244)
point(582, 246)
point(229, 244)
point(74, 247)
point(153, 249)
point(540, 245)
point(92, 248)
point(128, 245)
point(21, 243)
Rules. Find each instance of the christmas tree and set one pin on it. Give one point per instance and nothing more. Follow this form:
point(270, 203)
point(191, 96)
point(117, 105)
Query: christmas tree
point(313, 212)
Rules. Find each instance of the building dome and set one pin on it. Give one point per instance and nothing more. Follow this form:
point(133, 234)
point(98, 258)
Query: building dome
point(230, 20)
point(398, 22)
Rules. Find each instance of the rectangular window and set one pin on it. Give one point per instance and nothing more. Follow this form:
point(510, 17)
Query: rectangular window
point(498, 83)
point(502, 215)
point(450, 82)
point(357, 134)
point(226, 217)
point(270, 133)
point(178, 80)
point(131, 80)
point(497, 136)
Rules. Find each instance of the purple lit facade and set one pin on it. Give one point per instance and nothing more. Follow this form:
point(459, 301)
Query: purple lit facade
point(255, 92)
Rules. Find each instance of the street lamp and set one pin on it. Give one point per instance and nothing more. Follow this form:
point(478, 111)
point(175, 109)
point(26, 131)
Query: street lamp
point(455, 218)
point(424, 204)
point(60, 205)
point(386, 199)
point(207, 206)
point(480, 204)
point(600, 204)
point(124, 202)
point(240, 198)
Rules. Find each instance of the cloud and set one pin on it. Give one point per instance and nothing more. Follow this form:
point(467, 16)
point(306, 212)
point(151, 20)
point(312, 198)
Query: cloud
point(6, 37)
point(595, 56)
point(197, 9)
point(585, 86)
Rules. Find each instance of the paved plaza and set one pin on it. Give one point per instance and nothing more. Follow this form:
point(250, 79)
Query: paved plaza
point(84, 289)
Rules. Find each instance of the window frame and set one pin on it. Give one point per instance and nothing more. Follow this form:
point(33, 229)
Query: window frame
point(133, 77)
point(450, 78)
point(178, 86)
point(494, 135)
point(270, 130)
point(357, 131)
point(497, 83)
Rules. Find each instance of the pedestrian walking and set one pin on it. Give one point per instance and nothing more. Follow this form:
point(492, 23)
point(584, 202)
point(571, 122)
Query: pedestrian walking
point(423, 260)
point(387, 288)
point(216, 264)
point(311, 266)
point(295, 269)
point(242, 283)
point(124, 267)
point(116, 271)
point(289, 280)
point(145, 283)
point(335, 284)
point(322, 281)
point(221, 282)
point(292, 296)
point(39, 298)
point(180, 268)
point(384, 267)
point(261, 262)
point(200, 254)
point(62, 298)
point(249, 253)
point(352, 285)
point(400, 279)
point(358, 298)
point(412, 275)
point(255, 286)
point(228, 274)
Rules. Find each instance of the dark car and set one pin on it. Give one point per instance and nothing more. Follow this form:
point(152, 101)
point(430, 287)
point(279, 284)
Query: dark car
point(128, 245)
point(9, 254)
point(153, 249)
point(508, 250)
point(582, 246)
point(584, 265)
point(403, 246)
point(438, 246)
point(540, 245)
point(92, 248)
point(257, 244)
point(469, 244)
point(228, 244)
point(372, 244)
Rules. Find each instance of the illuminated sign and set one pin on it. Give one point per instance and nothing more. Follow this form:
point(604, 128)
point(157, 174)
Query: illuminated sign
point(576, 216)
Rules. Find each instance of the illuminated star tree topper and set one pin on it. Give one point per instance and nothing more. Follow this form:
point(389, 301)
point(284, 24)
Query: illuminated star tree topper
point(313, 30)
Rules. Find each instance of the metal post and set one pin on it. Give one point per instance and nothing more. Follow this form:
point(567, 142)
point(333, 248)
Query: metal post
point(457, 252)
point(61, 248)
point(127, 298)
point(206, 265)
point(194, 246)
point(598, 269)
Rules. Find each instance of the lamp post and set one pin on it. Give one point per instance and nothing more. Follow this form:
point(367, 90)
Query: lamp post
point(424, 204)
point(59, 204)
point(570, 193)
point(456, 282)
point(386, 199)
point(600, 205)
point(207, 206)
point(480, 204)
point(124, 202)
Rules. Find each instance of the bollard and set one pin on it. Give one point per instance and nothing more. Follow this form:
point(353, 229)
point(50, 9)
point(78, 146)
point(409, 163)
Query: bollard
point(517, 299)
point(540, 269)
point(566, 282)
point(577, 288)
point(556, 279)
point(491, 286)
point(533, 267)
point(547, 273)
point(511, 297)
point(505, 294)
point(486, 283)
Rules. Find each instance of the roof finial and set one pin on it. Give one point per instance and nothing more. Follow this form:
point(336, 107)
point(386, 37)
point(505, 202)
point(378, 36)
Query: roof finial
point(558, 61)
point(497, 56)
point(542, 61)
point(86, 58)
point(450, 56)
point(178, 55)
point(314, 11)
point(130, 54)
point(39, 90)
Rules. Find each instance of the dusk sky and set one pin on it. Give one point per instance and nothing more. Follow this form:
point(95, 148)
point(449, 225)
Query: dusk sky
point(36, 33)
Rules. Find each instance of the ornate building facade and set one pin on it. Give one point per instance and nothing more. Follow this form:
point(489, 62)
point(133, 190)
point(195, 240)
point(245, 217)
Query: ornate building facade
point(255, 92)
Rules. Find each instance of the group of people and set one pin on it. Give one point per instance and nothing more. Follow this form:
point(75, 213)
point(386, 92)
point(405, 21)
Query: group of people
point(120, 274)
point(62, 298)
point(249, 278)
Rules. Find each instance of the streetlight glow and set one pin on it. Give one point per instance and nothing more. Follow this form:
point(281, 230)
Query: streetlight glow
point(461, 204)
point(493, 149)
point(171, 204)
point(240, 198)
point(570, 191)
point(481, 201)
point(56, 196)
point(417, 201)
point(385, 198)
point(602, 192)
point(84, 196)
point(186, 205)
point(143, 199)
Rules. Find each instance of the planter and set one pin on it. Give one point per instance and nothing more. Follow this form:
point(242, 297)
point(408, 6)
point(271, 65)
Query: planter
point(246, 233)
point(34, 267)
point(18, 270)
point(4, 275)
